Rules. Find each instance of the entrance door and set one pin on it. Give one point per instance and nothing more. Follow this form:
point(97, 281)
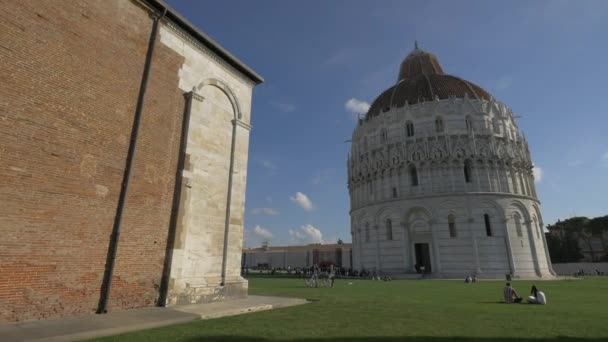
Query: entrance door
point(423, 258)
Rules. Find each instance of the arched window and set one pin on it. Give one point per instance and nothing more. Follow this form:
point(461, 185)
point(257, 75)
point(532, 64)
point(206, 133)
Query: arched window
point(409, 128)
point(439, 125)
point(413, 176)
point(469, 122)
point(517, 220)
point(537, 229)
point(389, 229)
point(367, 232)
point(452, 225)
point(467, 171)
point(394, 192)
point(384, 136)
point(486, 219)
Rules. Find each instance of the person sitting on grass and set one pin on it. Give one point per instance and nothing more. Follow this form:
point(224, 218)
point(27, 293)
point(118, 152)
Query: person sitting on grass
point(510, 295)
point(537, 296)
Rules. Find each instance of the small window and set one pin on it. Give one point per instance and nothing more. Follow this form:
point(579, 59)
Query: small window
point(537, 229)
point(469, 122)
point(409, 128)
point(394, 192)
point(369, 187)
point(413, 176)
point(467, 171)
point(439, 125)
point(389, 229)
point(517, 220)
point(384, 136)
point(452, 225)
point(367, 233)
point(486, 219)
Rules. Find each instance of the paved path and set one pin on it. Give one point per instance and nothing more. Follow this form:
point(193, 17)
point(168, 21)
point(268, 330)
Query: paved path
point(90, 326)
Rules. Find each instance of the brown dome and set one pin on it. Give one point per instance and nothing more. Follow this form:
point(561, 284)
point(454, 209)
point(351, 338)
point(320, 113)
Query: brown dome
point(421, 79)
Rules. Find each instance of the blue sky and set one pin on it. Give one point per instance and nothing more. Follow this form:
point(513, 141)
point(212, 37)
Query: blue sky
point(547, 60)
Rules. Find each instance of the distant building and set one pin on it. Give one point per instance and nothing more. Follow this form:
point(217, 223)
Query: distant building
point(298, 256)
point(440, 181)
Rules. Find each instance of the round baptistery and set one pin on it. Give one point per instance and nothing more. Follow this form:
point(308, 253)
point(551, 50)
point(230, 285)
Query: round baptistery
point(441, 182)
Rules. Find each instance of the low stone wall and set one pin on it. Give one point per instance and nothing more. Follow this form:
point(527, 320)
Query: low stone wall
point(574, 267)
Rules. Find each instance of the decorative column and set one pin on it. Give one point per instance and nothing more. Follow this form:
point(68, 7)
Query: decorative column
point(360, 246)
point(405, 242)
point(435, 247)
point(470, 221)
point(378, 257)
point(508, 247)
point(498, 182)
point(486, 166)
point(451, 171)
point(533, 247)
point(547, 256)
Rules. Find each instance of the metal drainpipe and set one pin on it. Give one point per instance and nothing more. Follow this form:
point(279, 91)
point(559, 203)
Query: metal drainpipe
point(177, 194)
point(229, 202)
point(106, 284)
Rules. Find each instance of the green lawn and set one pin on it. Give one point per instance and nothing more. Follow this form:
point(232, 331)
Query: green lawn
point(426, 310)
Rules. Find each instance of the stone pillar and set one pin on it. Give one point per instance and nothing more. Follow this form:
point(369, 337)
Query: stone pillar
point(360, 243)
point(486, 166)
point(498, 182)
point(528, 224)
point(408, 263)
point(378, 257)
point(548, 257)
point(476, 255)
point(435, 248)
point(508, 246)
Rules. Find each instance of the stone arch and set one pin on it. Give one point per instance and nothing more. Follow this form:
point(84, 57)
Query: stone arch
point(536, 210)
point(417, 213)
point(236, 108)
point(385, 212)
point(498, 209)
point(522, 209)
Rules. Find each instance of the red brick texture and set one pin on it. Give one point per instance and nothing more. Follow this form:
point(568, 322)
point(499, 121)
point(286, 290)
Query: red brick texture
point(70, 73)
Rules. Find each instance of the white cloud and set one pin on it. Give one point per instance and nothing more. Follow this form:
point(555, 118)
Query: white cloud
point(283, 107)
point(265, 211)
point(302, 200)
point(504, 83)
point(356, 107)
point(306, 234)
point(316, 180)
point(538, 174)
point(268, 164)
point(262, 233)
point(322, 176)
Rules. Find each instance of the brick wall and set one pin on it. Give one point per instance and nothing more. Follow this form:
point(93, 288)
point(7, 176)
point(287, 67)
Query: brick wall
point(69, 78)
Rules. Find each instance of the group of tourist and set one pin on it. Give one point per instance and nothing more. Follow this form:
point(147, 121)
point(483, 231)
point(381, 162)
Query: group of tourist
point(536, 296)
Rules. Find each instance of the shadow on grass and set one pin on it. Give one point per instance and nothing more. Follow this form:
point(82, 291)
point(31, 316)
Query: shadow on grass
point(396, 339)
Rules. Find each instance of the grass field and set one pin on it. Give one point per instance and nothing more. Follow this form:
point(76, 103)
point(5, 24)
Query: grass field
point(429, 310)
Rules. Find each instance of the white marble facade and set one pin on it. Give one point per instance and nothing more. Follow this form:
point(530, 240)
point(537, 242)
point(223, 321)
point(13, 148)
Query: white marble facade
point(454, 192)
point(206, 262)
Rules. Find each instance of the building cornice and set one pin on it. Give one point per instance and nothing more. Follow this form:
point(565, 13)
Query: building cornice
point(203, 42)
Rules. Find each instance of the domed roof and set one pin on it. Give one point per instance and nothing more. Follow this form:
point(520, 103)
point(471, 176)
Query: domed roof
point(421, 79)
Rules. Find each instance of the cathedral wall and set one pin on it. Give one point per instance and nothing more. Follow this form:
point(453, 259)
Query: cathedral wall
point(71, 74)
point(212, 212)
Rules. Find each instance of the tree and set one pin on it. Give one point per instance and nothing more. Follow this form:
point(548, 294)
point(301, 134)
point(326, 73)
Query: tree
point(562, 241)
point(598, 227)
point(579, 227)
